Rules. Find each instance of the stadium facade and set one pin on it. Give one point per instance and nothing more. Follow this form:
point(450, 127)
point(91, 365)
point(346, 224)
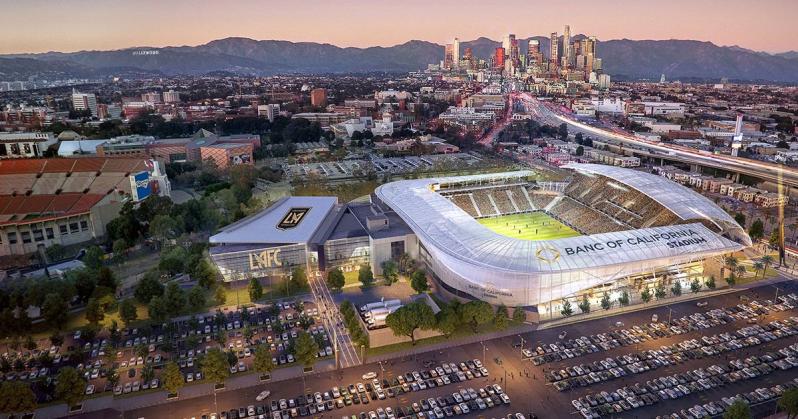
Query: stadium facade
point(635, 229)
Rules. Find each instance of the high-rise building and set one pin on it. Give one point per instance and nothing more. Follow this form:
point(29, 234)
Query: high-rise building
point(566, 47)
point(554, 50)
point(506, 42)
point(514, 53)
point(456, 53)
point(318, 97)
point(84, 101)
point(171, 97)
point(448, 57)
point(270, 111)
point(498, 58)
point(604, 81)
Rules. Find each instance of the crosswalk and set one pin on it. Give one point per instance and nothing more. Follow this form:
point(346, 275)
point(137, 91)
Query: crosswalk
point(345, 351)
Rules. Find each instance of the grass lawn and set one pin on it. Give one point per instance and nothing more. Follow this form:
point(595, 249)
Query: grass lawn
point(529, 226)
point(461, 332)
point(351, 278)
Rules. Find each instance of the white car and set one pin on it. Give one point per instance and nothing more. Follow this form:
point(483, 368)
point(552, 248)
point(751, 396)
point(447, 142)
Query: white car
point(90, 389)
point(263, 395)
point(369, 375)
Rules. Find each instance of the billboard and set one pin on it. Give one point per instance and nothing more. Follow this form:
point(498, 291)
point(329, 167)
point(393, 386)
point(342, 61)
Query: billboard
point(140, 187)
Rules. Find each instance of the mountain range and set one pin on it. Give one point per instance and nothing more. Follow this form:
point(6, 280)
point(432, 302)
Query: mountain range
point(623, 59)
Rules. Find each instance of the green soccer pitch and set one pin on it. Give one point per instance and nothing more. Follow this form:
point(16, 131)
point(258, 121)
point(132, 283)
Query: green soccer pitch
point(529, 226)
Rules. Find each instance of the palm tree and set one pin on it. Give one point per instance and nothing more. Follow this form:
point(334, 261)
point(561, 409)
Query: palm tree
point(740, 271)
point(730, 262)
point(759, 266)
point(766, 260)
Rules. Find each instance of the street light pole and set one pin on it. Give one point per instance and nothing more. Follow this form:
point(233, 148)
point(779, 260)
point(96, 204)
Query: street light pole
point(484, 348)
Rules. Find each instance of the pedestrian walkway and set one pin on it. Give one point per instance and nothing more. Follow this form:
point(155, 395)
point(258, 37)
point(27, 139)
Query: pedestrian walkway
point(344, 349)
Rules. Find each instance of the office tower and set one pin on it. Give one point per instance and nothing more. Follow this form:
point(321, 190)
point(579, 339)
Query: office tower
point(506, 43)
point(84, 101)
point(566, 47)
point(270, 111)
point(604, 81)
point(468, 58)
point(448, 57)
point(456, 53)
point(171, 97)
point(514, 53)
point(554, 51)
point(498, 58)
point(318, 97)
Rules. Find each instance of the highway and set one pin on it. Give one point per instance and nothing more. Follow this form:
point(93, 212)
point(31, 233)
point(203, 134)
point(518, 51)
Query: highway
point(546, 113)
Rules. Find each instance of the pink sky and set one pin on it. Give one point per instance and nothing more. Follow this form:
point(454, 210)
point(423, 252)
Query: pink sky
point(70, 25)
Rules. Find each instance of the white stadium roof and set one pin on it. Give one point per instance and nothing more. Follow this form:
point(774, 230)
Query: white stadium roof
point(439, 223)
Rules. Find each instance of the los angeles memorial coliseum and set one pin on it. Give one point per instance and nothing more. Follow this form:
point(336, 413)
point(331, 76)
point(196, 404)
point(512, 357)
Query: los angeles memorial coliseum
point(503, 238)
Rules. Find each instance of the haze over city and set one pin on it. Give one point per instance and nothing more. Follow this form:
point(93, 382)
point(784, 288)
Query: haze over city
point(90, 24)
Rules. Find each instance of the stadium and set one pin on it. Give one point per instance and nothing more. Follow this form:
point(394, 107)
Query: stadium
point(507, 239)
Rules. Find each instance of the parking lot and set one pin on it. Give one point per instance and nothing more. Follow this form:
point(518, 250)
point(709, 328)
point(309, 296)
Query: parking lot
point(533, 394)
point(136, 356)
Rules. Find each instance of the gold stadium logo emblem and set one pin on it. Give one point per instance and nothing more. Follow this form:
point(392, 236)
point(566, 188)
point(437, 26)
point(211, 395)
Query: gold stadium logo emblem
point(547, 253)
point(292, 218)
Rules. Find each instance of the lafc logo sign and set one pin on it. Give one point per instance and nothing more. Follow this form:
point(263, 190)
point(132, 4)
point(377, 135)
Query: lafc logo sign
point(548, 253)
point(292, 218)
point(265, 259)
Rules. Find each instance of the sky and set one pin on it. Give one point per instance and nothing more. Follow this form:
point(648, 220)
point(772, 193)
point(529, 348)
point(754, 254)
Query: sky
point(73, 25)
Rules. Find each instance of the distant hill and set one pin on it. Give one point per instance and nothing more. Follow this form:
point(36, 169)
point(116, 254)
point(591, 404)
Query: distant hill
point(629, 59)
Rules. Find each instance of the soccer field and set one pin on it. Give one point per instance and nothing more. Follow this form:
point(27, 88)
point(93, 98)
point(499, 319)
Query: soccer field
point(529, 226)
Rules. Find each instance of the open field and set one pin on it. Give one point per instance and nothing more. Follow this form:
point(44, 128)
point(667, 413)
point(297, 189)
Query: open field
point(529, 226)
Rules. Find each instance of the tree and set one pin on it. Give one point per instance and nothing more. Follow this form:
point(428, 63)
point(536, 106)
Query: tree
point(94, 312)
point(710, 283)
point(55, 310)
point(299, 278)
point(390, 272)
point(623, 300)
point(562, 131)
point(365, 276)
point(119, 247)
point(255, 289)
point(406, 263)
point(738, 410)
point(502, 317)
point(418, 281)
point(789, 403)
point(306, 349)
point(566, 308)
point(757, 230)
point(149, 286)
point(172, 378)
point(659, 291)
point(476, 313)
point(447, 321)
point(175, 298)
point(164, 227)
point(695, 286)
point(580, 150)
point(214, 366)
point(740, 218)
point(676, 289)
point(766, 260)
point(335, 279)
point(263, 362)
point(584, 305)
point(740, 271)
point(196, 298)
point(93, 258)
point(158, 309)
point(55, 252)
point(519, 316)
point(411, 317)
point(56, 339)
point(645, 295)
point(220, 296)
point(174, 260)
point(759, 267)
point(16, 397)
point(70, 386)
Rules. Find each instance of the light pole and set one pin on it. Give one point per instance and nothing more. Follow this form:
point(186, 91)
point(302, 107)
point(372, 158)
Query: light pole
point(670, 312)
point(776, 299)
point(382, 370)
point(522, 341)
point(484, 348)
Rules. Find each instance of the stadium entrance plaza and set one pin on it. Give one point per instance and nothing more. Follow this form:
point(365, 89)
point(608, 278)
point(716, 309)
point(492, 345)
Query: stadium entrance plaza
point(523, 381)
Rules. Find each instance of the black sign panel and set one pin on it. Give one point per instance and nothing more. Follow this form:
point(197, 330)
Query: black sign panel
point(292, 218)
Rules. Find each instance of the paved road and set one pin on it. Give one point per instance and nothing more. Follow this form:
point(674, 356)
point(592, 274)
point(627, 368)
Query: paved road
point(346, 354)
point(522, 380)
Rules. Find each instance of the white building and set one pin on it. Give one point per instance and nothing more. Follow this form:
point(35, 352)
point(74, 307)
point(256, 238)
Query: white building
point(663, 108)
point(608, 105)
point(171, 97)
point(25, 144)
point(270, 111)
point(84, 101)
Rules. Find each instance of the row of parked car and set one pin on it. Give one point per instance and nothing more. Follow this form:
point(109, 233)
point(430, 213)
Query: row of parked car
point(362, 393)
point(463, 402)
point(567, 349)
point(610, 368)
point(676, 386)
point(757, 396)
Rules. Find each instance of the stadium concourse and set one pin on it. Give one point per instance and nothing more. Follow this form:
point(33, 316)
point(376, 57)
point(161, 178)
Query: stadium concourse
point(622, 230)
